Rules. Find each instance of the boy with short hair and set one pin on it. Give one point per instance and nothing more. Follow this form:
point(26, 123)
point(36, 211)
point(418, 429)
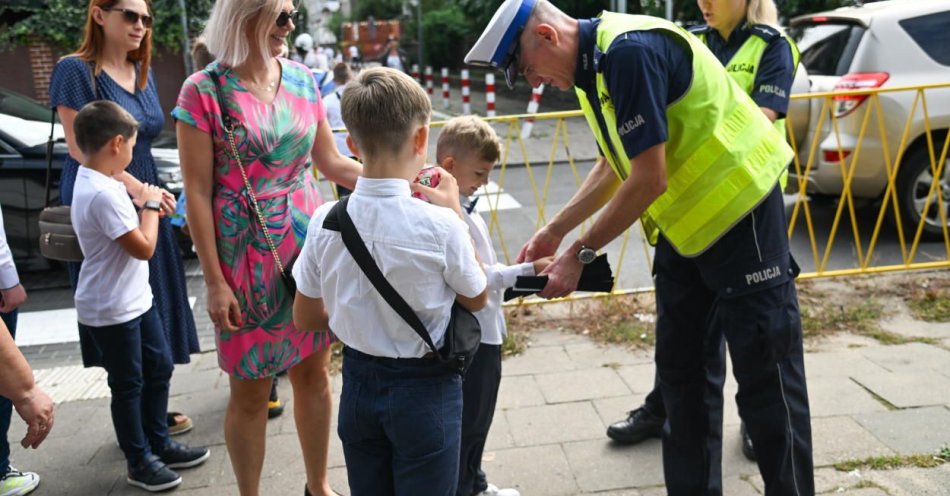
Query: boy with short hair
point(400, 409)
point(114, 299)
point(468, 148)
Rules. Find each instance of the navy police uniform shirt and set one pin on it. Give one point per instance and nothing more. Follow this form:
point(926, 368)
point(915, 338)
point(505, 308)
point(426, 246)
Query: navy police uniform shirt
point(645, 72)
point(773, 77)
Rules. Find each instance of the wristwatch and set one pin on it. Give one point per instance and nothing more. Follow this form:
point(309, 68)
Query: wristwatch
point(153, 205)
point(586, 255)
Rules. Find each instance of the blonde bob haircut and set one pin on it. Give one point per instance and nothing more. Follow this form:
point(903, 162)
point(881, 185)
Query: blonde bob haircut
point(227, 34)
point(762, 12)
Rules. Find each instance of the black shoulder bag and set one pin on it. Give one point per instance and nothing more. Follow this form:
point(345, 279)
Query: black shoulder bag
point(227, 124)
point(463, 334)
point(58, 239)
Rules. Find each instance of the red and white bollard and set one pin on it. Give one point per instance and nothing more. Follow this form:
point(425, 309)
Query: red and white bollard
point(532, 109)
point(490, 94)
point(445, 88)
point(429, 79)
point(466, 94)
point(415, 73)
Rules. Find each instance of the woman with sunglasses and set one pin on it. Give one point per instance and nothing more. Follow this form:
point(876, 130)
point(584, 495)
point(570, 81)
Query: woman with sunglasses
point(112, 63)
point(279, 130)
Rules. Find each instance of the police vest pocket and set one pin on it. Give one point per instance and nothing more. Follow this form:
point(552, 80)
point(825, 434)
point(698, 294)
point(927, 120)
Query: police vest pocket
point(735, 279)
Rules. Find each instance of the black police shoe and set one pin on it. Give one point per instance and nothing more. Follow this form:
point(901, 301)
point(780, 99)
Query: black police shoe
point(747, 448)
point(640, 424)
point(177, 455)
point(152, 475)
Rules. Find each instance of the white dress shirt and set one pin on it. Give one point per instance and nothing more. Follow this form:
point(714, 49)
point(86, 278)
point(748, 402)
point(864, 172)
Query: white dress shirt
point(335, 118)
point(8, 275)
point(424, 251)
point(500, 276)
point(113, 285)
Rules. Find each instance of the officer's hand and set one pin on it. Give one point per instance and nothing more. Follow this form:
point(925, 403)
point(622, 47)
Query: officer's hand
point(563, 276)
point(543, 244)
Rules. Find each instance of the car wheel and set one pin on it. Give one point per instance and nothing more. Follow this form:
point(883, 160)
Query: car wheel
point(914, 183)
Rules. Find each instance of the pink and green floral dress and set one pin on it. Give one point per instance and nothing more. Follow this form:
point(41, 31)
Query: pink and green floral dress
point(274, 141)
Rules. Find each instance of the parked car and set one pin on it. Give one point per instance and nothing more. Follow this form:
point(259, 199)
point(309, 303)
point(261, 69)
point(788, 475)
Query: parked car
point(885, 44)
point(24, 133)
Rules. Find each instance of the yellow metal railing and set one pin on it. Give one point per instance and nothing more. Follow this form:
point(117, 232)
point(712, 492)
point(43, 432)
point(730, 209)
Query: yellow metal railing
point(813, 242)
point(827, 129)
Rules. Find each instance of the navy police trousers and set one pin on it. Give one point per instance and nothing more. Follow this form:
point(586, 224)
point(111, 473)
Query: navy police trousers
point(742, 288)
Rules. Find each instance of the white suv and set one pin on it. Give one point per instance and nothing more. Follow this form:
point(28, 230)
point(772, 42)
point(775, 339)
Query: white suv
point(879, 45)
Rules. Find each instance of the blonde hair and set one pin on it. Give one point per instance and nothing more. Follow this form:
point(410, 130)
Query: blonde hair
point(381, 107)
point(762, 12)
point(225, 33)
point(465, 135)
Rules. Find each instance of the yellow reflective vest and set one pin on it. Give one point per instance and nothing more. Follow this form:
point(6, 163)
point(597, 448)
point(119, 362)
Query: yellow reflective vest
point(744, 65)
point(723, 156)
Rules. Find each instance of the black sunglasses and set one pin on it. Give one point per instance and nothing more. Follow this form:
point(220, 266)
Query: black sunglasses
point(284, 17)
point(131, 16)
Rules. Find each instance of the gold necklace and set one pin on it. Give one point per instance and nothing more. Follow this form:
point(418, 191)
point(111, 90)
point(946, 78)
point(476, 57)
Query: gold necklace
point(268, 88)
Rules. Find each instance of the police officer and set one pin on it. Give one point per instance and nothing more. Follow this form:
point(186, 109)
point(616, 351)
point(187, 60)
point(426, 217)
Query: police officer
point(687, 152)
point(762, 61)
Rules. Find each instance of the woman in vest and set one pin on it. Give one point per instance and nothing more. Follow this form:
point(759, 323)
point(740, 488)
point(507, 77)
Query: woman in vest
point(690, 154)
point(742, 35)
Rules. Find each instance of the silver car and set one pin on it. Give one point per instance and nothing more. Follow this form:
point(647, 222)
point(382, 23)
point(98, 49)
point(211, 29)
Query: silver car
point(883, 45)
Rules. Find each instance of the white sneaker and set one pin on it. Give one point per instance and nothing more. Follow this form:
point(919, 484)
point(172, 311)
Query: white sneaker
point(16, 483)
point(493, 490)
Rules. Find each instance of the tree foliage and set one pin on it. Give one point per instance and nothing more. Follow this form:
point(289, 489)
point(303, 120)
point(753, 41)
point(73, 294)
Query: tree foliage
point(61, 22)
point(451, 26)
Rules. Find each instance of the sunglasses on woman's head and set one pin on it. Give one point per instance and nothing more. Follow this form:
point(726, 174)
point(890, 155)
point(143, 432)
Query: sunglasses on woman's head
point(131, 16)
point(284, 17)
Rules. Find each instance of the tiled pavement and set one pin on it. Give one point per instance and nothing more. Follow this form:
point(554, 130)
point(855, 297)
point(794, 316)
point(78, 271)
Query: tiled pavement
point(548, 435)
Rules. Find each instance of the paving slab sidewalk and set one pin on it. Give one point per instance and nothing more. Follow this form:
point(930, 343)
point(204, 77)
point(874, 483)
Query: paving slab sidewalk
point(548, 438)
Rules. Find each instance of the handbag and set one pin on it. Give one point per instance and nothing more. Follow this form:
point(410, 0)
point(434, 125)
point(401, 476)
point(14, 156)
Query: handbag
point(58, 240)
point(463, 334)
point(227, 124)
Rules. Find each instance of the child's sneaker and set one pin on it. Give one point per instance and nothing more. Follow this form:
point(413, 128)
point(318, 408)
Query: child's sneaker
point(16, 483)
point(177, 455)
point(493, 490)
point(153, 475)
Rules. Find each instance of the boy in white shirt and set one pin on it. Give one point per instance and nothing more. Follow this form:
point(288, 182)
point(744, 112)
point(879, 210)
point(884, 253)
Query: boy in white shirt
point(114, 299)
point(400, 409)
point(468, 148)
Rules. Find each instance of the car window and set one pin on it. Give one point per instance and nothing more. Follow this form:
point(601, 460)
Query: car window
point(20, 106)
point(827, 48)
point(931, 34)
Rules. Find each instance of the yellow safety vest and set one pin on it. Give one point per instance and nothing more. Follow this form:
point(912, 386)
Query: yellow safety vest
point(744, 65)
point(722, 157)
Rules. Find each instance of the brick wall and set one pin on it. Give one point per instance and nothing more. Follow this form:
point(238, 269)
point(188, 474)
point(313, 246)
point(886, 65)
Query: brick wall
point(40, 58)
point(41, 66)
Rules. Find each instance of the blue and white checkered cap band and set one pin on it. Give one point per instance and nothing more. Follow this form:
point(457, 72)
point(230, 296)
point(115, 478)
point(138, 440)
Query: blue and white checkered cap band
point(495, 46)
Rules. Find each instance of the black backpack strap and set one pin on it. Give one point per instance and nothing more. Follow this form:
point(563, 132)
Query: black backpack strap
point(49, 154)
point(226, 121)
point(339, 220)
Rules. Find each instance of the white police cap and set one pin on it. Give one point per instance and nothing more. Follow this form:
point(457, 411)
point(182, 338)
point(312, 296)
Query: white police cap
point(498, 45)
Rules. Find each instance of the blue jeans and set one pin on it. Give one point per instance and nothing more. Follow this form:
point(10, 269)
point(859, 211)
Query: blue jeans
point(401, 425)
point(138, 359)
point(6, 407)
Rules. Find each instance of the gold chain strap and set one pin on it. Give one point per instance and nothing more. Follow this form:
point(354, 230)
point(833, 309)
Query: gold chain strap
point(229, 131)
